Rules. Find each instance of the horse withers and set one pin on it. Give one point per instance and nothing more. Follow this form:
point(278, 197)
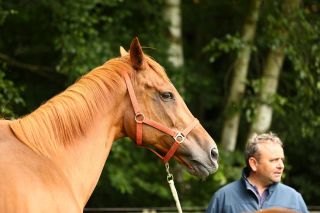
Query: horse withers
point(52, 158)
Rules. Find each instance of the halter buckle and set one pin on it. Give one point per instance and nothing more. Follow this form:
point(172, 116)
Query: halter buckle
point(179, 137)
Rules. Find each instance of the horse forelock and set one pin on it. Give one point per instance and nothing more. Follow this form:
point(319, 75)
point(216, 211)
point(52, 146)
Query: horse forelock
point(68, 116)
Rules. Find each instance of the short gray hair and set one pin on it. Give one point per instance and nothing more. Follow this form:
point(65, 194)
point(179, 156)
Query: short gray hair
point(252, 145)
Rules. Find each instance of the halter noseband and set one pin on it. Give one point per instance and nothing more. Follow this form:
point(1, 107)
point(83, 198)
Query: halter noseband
point(140, 119)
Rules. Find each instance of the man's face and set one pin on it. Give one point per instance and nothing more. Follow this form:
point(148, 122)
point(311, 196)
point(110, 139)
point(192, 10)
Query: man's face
point(270, 165)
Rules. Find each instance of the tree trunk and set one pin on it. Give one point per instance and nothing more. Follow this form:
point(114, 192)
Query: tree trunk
point(172, 14)
point(269, 83)
point(270, 77)
point(231, 123)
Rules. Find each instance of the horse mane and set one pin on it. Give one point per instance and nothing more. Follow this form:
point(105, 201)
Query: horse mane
point(68, 115)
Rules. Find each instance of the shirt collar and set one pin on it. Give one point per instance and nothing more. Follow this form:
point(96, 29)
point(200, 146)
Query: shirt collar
point(245, 174)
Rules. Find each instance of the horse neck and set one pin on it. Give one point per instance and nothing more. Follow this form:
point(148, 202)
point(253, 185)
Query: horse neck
point(76, 129)
point(82, 163)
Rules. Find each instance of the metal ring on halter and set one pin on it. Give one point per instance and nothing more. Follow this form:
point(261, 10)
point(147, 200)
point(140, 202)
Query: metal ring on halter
point(137, 119)
point(179, 137)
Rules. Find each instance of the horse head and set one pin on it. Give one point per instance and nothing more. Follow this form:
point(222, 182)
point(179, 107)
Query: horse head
point(159, 117)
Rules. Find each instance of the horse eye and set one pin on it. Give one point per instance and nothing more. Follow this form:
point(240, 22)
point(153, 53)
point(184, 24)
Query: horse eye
point(166, 96)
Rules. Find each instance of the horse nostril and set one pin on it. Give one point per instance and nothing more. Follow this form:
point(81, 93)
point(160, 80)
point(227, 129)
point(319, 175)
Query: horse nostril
point(214, 154)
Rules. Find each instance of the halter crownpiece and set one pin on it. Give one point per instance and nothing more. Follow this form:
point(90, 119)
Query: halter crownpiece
point(140, 119)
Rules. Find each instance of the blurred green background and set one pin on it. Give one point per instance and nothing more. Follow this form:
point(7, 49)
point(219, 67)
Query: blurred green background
point(47, 45)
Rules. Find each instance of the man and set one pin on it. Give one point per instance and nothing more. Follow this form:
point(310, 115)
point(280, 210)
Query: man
point(259, 186)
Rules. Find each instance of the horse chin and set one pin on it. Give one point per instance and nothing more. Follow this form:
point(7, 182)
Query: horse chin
point(200, 170)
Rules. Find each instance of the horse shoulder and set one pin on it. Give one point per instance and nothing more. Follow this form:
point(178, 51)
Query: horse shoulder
point(27, 178)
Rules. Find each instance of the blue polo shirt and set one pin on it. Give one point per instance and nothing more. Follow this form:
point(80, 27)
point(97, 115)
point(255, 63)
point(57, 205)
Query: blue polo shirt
point(240, 196)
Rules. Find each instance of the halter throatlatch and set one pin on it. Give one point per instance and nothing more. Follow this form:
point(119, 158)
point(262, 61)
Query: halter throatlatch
point(140, 119)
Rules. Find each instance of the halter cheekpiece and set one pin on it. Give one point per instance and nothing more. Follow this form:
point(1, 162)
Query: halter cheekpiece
point(140, 119)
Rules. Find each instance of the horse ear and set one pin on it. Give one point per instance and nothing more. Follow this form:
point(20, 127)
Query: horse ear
point(136, 55)
point(123, 52)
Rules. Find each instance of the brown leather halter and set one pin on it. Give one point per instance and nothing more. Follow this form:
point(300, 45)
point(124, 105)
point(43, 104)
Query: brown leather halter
point(140, 119)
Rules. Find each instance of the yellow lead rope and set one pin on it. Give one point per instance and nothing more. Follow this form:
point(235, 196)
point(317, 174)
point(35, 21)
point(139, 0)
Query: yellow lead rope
point(173, 188)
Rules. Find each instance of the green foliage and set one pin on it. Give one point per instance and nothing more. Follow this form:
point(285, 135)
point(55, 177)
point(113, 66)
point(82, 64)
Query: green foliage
point(229, 44)
point(9, 95)
point(136, 168)
point(81, 39)
point(93, 30)
point(4, 13)
point(301, 121)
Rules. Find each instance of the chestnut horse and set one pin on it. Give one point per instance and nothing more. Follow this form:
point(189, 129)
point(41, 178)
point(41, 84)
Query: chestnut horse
point(276, 210)
point(51, 159)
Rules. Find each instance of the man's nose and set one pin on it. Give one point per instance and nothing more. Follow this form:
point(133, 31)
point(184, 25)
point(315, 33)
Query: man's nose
point(281, 164)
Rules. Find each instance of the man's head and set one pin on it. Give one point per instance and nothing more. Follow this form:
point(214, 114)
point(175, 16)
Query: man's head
point(264, 157)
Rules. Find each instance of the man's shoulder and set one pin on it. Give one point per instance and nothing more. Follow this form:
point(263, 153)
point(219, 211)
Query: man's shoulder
point(283, 189)
point(235, 185)
point(286, 196)
point(232, 193)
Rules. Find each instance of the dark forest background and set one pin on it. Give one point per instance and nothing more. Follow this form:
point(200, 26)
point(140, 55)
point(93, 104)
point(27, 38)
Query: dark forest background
point(47, 45)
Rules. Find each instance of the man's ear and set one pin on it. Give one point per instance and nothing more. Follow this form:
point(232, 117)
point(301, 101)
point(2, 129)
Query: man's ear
point(253, 163)
point(137, 55)
point(123, 52)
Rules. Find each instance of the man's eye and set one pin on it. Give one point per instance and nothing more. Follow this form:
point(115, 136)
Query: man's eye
point(166, 96)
